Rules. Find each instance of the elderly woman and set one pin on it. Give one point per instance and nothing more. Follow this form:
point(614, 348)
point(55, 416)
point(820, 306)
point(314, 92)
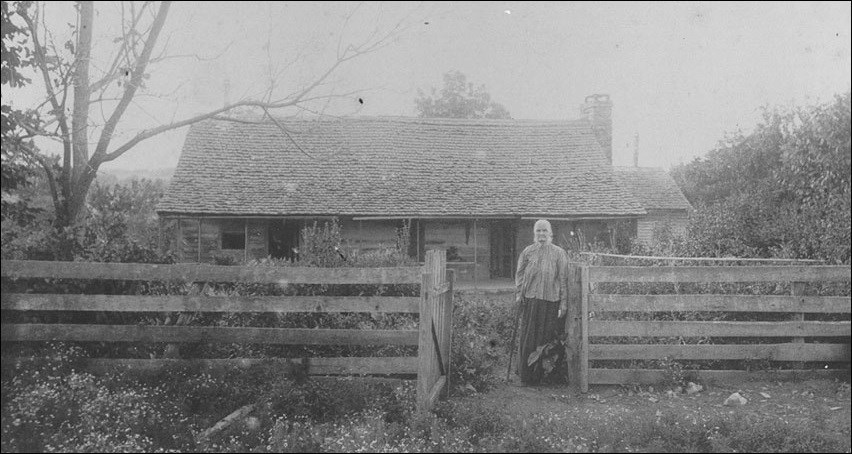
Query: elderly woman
point(541, 282)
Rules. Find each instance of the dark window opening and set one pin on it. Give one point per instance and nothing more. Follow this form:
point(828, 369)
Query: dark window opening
point(284, 239)
point(234, 240)
point(416, 239)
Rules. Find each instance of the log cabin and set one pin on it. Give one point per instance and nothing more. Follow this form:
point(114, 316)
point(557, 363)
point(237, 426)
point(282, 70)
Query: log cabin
point(474, 187)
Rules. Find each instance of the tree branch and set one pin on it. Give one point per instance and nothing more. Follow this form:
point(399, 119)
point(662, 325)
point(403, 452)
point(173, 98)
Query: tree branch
point(58, 111)
point(80, 117)
point(130, 89)
point(111, 74)
point(148, 133)
point(51, 181)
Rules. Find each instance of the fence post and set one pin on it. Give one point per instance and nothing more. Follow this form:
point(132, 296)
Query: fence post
point(585, 287)
point(434, 273)
point(798, 289)
point(448, 329)
point(424, 344)
point(573, 328)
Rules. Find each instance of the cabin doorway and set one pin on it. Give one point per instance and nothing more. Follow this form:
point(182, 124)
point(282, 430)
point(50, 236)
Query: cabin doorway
point(284, 239)
point(503, 238)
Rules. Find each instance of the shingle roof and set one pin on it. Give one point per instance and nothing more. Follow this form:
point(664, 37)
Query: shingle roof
point(395, 167)
point(653, 187)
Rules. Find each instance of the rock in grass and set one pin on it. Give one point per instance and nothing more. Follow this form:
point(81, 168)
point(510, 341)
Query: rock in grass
point(692, 388)
point(735, 400)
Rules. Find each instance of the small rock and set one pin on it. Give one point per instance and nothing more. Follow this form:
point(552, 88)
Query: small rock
point(252, 423)
point(735, 400)
point(678, 390)
point(650, 389)
point(692, 388)
point(765, 395)
point(670, 394)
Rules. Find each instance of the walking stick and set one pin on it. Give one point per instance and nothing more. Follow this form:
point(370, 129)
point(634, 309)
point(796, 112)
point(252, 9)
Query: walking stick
point(514, 333)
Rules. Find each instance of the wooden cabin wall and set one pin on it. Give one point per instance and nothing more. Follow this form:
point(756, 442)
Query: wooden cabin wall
point(258, 239)
point(675, 220)
point(459, 234)
point(370, 235)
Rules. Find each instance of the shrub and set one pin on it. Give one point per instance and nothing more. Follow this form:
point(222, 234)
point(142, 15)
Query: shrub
point(482, 329)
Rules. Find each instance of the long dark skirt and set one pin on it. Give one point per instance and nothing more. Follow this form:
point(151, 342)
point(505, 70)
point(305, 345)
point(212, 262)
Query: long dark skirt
point(539, 324)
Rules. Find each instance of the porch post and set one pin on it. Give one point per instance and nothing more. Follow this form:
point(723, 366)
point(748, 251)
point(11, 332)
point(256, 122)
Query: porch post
point(475, 256)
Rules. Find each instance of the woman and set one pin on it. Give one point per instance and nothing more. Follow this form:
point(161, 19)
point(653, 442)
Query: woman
point(541, 281)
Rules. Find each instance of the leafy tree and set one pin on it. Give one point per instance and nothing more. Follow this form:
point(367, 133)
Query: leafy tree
point(76, 91)
point(459, 99)
point(18, 151)
point(783, 190)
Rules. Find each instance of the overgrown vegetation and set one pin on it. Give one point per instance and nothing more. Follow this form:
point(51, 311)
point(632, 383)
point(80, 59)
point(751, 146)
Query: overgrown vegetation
point(50, 407)
point(781, 191)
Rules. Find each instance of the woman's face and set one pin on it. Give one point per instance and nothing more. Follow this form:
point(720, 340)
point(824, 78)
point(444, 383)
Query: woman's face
point(541, 232)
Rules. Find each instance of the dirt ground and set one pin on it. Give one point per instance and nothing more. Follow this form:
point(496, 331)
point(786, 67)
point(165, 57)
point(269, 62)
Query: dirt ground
point(822, 402)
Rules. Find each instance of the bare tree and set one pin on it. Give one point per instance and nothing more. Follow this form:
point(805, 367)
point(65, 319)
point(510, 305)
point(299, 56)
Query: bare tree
point(66, 72)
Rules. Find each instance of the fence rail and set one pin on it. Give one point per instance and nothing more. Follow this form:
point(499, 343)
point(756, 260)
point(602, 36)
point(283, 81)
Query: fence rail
point(199, 272)
point(788, 338)
point(434, 307)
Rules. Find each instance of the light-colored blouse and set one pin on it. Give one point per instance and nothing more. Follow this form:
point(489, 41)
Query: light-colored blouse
point(543, 273)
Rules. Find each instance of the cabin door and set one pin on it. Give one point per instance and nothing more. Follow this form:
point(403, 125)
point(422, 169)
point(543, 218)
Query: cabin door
point(503, 249)
point(284, 238)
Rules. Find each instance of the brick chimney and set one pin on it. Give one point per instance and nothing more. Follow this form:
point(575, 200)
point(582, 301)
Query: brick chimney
point(597, 109)
point(636, 150)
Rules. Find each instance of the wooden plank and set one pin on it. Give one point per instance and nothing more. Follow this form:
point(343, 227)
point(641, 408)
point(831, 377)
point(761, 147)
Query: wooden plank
point(441, 289)
point(584, 327)
point(435, 392)
point(394, 365)
point(202, 303)
point(447, 330)
point(701, 259)
point(798, 290)
point(772, 352)
point(573, 328)
point(719, 273)
point(715, 302)
point(217, 334)
point(424, 346)
point(653, 376)
point(718, 329)
point(194, 272)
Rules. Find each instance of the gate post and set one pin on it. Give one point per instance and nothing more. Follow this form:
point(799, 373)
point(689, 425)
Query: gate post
point(424, 344)
point(431, 376)
point(573, 326)
point(585, 288)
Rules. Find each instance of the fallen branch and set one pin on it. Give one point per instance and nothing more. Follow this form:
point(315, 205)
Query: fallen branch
point(226, 422)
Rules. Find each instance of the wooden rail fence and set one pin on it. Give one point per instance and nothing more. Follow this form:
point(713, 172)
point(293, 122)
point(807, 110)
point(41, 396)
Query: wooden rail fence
point(805, 337)
point(434, 306)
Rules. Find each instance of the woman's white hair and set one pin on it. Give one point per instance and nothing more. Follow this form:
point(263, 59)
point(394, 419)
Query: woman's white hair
point(545, 223)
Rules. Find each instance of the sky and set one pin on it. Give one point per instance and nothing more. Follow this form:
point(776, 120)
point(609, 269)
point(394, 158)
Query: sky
point(681, 75)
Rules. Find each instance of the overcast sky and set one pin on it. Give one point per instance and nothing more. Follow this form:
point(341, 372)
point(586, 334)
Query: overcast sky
point(680, 75)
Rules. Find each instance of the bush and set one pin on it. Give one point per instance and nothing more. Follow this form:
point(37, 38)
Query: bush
point(482, 329)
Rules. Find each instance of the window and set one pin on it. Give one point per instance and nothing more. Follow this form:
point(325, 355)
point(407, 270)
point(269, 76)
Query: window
point(233, 235)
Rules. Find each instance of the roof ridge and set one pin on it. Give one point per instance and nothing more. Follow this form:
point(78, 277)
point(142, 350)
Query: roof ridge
point(259, 119)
